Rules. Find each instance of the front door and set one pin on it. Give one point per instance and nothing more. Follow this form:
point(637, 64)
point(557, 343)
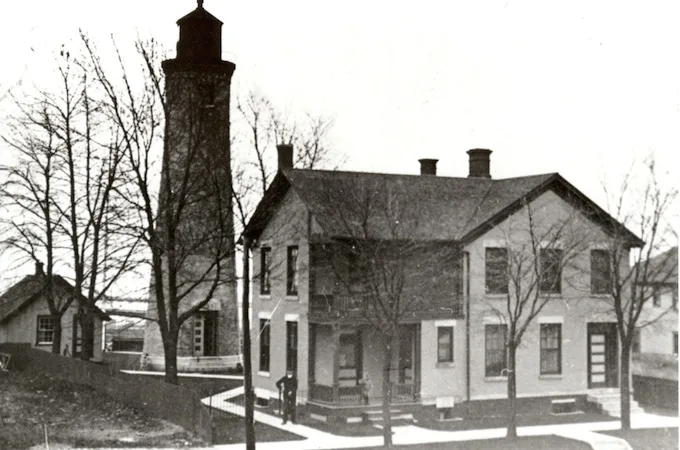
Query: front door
point(602, 355)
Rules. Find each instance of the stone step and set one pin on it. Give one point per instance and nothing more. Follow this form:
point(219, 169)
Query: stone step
point(394, 418)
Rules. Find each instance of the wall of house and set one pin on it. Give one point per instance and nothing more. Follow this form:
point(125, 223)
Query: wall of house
point(22, 329)
point(574, 308)
point(287, 227)
point(442, 379)
point(657, 337)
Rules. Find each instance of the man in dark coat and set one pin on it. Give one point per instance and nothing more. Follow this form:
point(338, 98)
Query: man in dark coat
point(289, 385)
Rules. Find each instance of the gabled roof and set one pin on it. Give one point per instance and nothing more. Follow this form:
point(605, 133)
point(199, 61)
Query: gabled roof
point(29, 290)
point(445, 208)
point(663, 268)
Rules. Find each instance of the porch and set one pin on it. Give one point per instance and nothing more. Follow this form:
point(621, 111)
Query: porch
point(353, 395)
point(342, 358)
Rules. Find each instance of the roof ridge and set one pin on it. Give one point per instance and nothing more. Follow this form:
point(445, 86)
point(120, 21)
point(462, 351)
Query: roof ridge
point(292, 170)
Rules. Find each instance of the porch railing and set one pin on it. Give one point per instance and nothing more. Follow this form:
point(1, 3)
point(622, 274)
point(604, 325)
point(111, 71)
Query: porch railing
point(330, 303)
point(355, 306)
point(352, 395)
point(403, 393)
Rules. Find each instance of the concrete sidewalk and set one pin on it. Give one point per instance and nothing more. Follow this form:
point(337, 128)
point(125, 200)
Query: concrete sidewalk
point(412, 434)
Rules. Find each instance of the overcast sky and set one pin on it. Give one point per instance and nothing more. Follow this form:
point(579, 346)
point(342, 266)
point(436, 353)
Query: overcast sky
point(578, 87)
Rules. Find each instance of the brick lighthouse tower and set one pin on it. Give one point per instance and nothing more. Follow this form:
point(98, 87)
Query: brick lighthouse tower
point(197, 200)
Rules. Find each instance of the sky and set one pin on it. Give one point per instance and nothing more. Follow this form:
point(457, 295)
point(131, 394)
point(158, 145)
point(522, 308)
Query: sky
point(582, 88)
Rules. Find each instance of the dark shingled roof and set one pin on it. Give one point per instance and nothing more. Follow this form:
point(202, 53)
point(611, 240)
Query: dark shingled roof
point(445, 208)
point(28, 290)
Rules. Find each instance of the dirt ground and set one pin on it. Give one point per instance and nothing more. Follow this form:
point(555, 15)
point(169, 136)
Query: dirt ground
point(32, 407)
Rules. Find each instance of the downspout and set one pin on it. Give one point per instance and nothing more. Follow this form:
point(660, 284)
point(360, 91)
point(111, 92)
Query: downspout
point(466, 275)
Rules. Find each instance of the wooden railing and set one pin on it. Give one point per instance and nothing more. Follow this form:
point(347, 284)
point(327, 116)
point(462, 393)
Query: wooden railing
point(322, 393)
point(403, 393)
point(352, 395)
point(355, 306)
point(339, 303)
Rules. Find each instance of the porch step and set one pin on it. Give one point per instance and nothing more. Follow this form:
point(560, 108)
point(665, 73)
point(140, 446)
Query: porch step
point(609, 401)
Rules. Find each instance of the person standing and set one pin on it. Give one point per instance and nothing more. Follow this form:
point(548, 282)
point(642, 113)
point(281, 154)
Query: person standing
point(288, 383)
point(367, 386)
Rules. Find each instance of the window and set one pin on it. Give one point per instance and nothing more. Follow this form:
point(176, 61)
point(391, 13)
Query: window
point(444, 344)
point(265, 267)
point(496, 357)
point(551, 271)
point(656, 295)
point(496, 270)
point(600, 272)
point(675, 298)
point(264, 345)
point(675, 342)
point(291, 346)
point(292, 278)
point(45, 334)
point(551, 349)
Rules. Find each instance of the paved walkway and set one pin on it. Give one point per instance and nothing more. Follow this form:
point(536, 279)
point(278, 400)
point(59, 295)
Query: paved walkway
point(186, 374)
point(312, 438)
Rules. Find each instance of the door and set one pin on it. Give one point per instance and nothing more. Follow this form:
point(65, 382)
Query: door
point(199, 335)
point(291, 346)
point(76, 340)
point(602, 355)
point(205, 333)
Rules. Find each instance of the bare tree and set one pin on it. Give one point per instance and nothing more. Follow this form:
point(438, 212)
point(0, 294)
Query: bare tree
point(382, 261)
point(78, 202)
point(29, 229)
point(633, 269)
point(527, 274)
point(186, 225)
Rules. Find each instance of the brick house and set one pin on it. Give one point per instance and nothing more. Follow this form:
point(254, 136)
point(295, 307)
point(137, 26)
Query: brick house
point(449, 352)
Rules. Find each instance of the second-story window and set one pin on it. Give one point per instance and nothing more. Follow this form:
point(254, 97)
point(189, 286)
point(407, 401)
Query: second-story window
point(600, 272)
point(551, 271)
point(292, 272)
point(265, 271)
point(496, 270)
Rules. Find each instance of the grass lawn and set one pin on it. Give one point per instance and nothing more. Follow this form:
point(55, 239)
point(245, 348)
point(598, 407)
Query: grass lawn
point(648, 438)
point(203, 386)
point(520, 443)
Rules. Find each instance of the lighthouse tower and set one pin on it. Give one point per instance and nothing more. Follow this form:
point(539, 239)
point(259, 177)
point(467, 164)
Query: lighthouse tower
point(197, 163)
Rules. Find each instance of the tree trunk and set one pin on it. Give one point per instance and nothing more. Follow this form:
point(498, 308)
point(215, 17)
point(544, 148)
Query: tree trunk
point(170, 350)
point(387, 390)
point(87, 335)
point(512, 392)
point(625, 384)
point(247, 366)
point(56, 339)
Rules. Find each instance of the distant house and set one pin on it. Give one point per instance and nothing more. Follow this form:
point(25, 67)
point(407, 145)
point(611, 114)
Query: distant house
point(25, 317)
point(661, 335)
point(125, 331)
point(451, 355)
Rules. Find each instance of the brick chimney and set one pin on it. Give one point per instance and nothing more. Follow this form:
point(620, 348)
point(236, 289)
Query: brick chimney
point(479, 163)
point(39, 268)
point(285, 156)
point(428, 166)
